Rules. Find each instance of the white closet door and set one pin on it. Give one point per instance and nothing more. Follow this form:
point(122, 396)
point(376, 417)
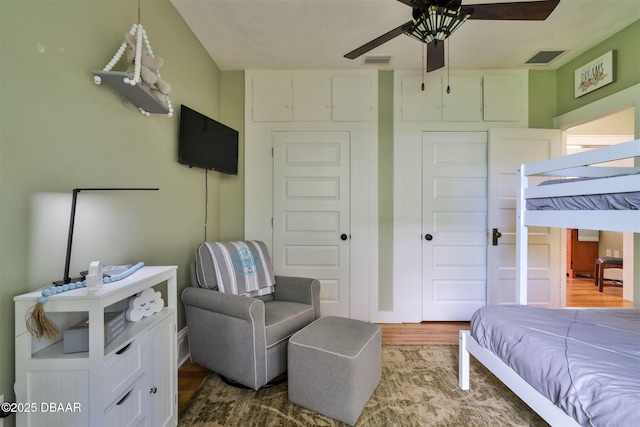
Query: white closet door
point(454, 224)
point(508, 149)
point(311, 232)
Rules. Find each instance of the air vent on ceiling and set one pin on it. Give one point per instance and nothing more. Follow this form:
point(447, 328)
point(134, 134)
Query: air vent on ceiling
point(544, 57)
point(377, 60)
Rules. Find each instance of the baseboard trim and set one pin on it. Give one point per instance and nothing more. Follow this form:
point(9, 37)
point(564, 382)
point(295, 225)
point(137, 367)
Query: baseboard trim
point(183, 346)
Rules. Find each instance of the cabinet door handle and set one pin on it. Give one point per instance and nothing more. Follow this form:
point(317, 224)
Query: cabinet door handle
point(124, 349)
point(153, 390)
point(125, 397)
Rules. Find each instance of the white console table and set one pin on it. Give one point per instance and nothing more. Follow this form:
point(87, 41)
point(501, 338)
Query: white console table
point(132, 381)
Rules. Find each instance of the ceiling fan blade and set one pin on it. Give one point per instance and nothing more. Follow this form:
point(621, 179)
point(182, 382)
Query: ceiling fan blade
point(517, 11)
point(380, 40)
point(435, 56)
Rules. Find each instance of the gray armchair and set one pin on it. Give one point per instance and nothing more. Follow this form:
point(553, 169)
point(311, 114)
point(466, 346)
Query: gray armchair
point(240, 316)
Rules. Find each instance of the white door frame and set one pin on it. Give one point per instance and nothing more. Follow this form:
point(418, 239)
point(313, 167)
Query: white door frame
point(618, 101)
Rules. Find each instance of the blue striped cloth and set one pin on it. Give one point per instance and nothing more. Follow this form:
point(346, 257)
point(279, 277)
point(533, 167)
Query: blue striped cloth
point(239, 268)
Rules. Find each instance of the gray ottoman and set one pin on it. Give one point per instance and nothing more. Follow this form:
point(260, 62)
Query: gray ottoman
point(334, 366)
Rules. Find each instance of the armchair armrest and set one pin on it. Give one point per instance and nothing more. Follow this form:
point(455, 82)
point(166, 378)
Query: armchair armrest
point(227, 334)
point(241, 307)
point(299, 289)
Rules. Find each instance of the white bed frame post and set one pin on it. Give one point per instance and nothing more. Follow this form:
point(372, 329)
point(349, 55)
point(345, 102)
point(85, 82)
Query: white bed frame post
point(522, 240)
point(463, 360)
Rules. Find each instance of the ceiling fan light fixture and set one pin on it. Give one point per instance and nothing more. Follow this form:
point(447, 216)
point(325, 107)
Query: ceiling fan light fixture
point(438, 23)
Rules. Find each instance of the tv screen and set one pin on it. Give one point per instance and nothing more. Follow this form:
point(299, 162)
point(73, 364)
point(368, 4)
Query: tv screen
point(206, 143)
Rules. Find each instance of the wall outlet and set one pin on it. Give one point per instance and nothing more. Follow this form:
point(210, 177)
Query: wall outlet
point(608, 252)
point(616, 254)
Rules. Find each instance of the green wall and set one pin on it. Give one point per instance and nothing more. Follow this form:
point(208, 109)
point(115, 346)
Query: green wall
point(232, 187)
point(542, 99)
point(551, 93)
point(626, 43)
point(59, 131)
point(385, 190)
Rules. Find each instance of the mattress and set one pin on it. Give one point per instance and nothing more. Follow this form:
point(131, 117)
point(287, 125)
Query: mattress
point(614, 201)
point(586, 361)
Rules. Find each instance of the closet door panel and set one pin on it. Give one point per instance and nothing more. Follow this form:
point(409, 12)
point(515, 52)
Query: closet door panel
point(454, 224)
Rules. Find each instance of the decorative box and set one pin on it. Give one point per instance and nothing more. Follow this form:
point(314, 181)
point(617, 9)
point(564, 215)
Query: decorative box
point(76, 338)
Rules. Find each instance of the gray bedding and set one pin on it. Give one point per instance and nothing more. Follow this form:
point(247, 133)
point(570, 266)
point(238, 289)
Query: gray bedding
point(615, 201)
point(585, 361)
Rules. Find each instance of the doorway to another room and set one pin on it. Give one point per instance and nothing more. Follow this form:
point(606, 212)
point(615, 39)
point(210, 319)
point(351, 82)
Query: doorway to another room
point(584, 247)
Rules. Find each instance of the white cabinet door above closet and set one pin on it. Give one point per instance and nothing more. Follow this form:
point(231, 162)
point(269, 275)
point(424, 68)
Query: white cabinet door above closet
point(352, 97)
point(421, 105)
point(272, 98)
point(503, 96)
point(312, 98)
point(463, 102)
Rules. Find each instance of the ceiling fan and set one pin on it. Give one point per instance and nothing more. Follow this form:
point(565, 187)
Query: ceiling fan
point(434, 20)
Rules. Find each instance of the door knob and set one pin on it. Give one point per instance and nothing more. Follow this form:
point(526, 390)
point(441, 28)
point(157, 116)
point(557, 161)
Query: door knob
point(343, 236)
point(428, 237)
point(495, 236)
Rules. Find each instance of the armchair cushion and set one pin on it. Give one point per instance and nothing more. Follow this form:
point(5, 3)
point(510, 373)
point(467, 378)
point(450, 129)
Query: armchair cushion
point(239, 268)
point(284, 318)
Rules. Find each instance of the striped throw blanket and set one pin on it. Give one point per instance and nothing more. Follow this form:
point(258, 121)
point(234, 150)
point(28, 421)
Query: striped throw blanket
point(239, 268)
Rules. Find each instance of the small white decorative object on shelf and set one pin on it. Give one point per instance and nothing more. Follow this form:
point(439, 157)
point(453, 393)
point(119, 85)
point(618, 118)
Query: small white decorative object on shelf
point(145, 304)
point(94, 276)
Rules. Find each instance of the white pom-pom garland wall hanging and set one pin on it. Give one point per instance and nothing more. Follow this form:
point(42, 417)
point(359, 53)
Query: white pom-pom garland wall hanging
point(141, 83)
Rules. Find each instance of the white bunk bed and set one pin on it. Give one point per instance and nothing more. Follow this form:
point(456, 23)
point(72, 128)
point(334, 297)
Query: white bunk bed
point(600, 180)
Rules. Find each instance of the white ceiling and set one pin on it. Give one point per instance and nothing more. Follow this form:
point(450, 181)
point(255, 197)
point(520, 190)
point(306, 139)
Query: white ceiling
point(315, 34)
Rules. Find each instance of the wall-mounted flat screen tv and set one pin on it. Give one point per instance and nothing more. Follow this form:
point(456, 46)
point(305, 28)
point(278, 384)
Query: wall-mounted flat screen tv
point(206, 143)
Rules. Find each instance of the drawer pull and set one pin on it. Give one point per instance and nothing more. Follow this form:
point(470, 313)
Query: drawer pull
point(153, 390)
point(124, 349)
point(125, 397)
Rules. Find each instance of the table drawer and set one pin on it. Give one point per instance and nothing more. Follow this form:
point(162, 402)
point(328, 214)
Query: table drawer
point(122, 368)
point(129, 408)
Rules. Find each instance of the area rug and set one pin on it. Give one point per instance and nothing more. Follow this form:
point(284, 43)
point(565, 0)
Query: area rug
point(419, 387)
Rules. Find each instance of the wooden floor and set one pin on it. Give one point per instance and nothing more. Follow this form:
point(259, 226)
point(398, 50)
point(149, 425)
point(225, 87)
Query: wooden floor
point(581, 292)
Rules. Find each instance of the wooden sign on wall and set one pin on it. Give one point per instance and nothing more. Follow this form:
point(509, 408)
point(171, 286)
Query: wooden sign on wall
point(597, 73)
